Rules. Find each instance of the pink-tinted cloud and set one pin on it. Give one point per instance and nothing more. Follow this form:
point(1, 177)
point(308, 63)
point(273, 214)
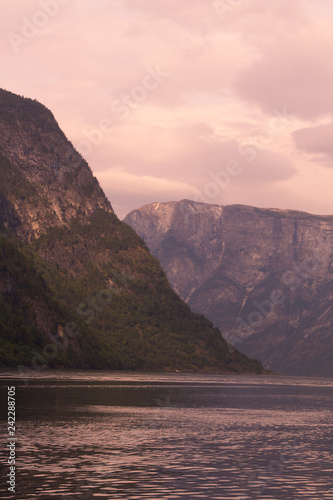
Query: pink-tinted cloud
point(189, 153)
point(199, 164)
point(223, 76)
point(317, 141)
point(293, 65)
point(195, 15)
point(128, 191)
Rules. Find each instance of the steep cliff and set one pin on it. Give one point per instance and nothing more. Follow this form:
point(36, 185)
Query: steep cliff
point(264, 277)
point(78, 288)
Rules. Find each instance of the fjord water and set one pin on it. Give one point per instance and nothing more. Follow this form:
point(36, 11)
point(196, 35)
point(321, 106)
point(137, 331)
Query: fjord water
point(134, 436)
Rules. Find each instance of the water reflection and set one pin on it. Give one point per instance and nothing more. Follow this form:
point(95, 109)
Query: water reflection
point(154, 436)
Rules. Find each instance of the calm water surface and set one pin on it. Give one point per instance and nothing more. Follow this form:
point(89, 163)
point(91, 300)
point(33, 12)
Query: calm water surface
point(106, 435)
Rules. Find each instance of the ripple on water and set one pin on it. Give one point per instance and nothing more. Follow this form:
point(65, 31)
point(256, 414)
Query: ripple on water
point(197, 437)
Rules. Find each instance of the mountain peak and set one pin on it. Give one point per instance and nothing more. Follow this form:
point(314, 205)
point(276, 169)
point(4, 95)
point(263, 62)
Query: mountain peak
point(54, 182)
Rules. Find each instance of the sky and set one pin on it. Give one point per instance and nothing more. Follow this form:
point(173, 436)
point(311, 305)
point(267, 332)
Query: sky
point(221, 102)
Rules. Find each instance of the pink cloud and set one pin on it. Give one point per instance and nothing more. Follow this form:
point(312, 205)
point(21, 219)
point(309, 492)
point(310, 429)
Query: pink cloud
point(317, 141)
point(192, 14)
point(194, 156)
point(292, 69)
point(225, 75)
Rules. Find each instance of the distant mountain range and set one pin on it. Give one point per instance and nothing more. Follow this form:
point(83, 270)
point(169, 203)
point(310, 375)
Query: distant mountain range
point(263, 277)
point(78, 288)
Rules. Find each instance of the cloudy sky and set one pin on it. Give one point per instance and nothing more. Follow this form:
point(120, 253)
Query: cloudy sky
point(226, 101)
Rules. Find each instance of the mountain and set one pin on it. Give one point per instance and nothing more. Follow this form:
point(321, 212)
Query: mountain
point(262, 276)
point(79, 288)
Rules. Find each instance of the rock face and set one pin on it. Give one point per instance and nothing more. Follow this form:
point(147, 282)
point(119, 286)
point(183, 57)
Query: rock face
point(53, 182)
point(262, 276)
point(78, 288)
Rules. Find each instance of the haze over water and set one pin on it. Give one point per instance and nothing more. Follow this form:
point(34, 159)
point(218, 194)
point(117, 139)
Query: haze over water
point(134, 436)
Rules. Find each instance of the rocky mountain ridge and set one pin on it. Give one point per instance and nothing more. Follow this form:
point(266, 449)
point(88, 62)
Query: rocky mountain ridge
point(263, 276)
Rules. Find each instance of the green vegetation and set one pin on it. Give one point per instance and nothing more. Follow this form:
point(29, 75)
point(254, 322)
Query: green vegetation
point(86, 293)
point(129, 318)
point(30, 114)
